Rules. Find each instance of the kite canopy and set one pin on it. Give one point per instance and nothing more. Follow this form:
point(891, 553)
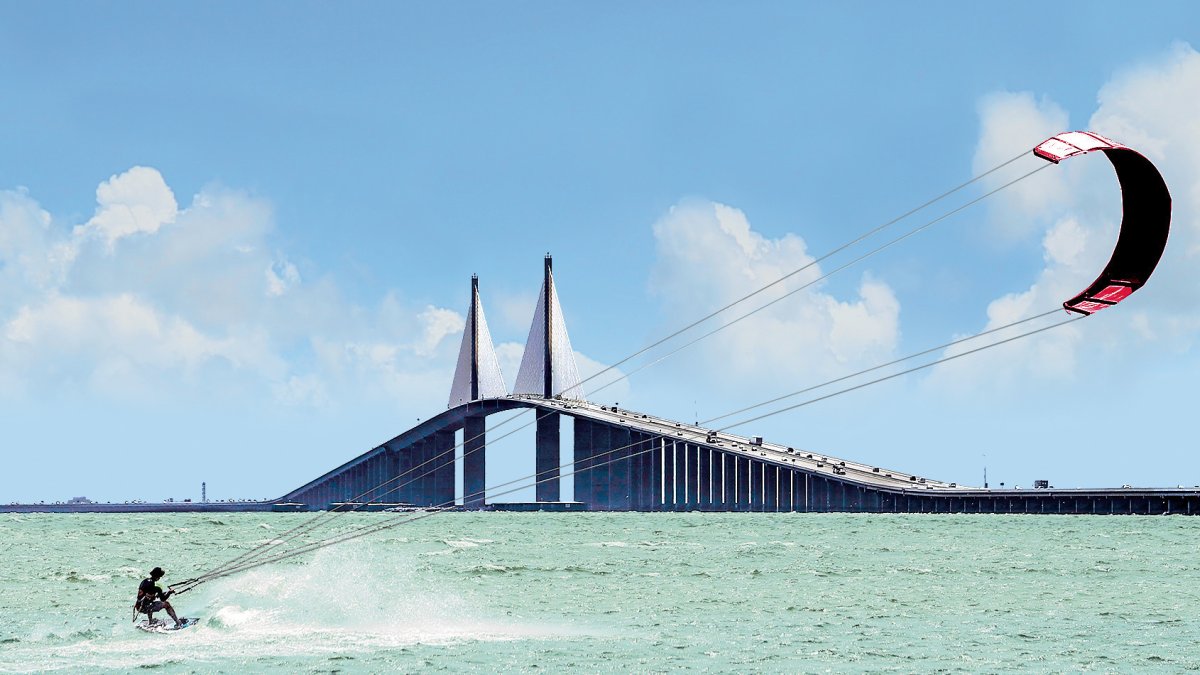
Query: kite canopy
point(1145, 222)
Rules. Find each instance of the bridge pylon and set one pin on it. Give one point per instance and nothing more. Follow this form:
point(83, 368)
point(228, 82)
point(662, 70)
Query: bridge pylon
point(477, 376)
point(548, 370)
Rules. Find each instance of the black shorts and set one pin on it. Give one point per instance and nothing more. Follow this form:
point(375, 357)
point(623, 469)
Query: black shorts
point(149, 607)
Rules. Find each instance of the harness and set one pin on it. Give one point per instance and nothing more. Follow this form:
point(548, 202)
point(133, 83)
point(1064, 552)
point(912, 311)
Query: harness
point(145, 599)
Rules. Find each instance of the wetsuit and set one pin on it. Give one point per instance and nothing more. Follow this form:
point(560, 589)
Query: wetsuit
point(151, 597)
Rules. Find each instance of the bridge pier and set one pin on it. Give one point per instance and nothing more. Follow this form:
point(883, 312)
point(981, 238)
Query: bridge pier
point(474, 461)
point(669, 476)
point(441, 468)
point(582, 461)
point(619, 483)
point(547, 458)
point(601, 447)
point(742, 490)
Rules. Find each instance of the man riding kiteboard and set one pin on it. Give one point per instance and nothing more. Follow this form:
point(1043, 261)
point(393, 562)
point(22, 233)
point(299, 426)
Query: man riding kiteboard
point(151, 598)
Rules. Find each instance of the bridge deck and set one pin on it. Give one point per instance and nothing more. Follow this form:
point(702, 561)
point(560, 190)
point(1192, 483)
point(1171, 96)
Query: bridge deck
point(630, 461)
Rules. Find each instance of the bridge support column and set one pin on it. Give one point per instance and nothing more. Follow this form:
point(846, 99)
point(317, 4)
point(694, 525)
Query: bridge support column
point(637, 476)
point(728, 486)
point(600, 468)
point(582, 458)
point(786, 480)
point(771, 487)
point(547, 458)
point(692, 474)
point(401, 463)
point(474, 461)
point(656, 472)
point(742, 494)
point(420, 473)
point(642, 474)
point(619, 484)
point(703, 487)
point(442, 468)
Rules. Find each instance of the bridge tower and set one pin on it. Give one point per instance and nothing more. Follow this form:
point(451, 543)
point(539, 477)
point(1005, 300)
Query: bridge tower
point(477, 376)
point(548, 370)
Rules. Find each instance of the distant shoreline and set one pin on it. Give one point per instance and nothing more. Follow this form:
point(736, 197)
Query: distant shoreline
point(154, 507)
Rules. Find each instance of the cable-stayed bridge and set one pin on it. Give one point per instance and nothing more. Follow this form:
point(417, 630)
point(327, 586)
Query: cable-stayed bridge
point(629, 461)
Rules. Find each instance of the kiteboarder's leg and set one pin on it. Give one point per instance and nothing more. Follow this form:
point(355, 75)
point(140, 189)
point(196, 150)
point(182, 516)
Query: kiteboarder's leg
point(171, 612)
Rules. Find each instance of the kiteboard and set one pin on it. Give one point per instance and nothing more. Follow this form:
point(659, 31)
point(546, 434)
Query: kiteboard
point(157, 626)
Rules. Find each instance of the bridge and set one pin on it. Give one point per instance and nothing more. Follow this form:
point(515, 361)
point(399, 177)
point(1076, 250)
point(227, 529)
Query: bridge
point(624, 460)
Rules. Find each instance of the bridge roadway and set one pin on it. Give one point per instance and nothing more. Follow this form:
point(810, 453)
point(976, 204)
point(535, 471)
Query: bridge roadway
point(626, 460)
point(758, 450)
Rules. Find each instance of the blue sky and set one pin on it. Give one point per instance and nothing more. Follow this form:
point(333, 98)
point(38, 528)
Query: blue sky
point(236, 240)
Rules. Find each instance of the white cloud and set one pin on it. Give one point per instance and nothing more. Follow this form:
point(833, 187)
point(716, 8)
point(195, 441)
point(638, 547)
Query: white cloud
point(1076, 206)
point(708, 256)
point(1011, 123)
point(149, 301)
point(437, 323)
point(137, 201)
point(33, 260)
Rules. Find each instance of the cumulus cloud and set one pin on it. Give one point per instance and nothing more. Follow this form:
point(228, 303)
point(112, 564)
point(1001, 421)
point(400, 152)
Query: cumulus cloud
point(147, 299)
point(34, 260)
point(1018, 120)
point(436, 324)
point(708, 255)
point(137, 201)
point(1076, 209)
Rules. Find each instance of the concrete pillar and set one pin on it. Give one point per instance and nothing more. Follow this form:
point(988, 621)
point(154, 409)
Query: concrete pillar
point(741, 471)
point(771, 502)
point(403, 484)
point(474, 461)
point(639, 477)
point(704, 473)
point(582, 457)
point(416, 473)
point(687, 475)
point(653, 470)
point(755, 486)
point(729, 486)
point(619, 489)
point(668, 468)
point(601, 445)
point(681, 474)
point(390, 467)
point(693, 453)
point(547, 457)
point(426, 472)
point(443, 468)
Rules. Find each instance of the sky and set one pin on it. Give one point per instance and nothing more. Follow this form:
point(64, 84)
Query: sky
point(236, 239)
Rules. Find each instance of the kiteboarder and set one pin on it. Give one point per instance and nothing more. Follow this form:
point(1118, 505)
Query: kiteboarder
point(151, 597)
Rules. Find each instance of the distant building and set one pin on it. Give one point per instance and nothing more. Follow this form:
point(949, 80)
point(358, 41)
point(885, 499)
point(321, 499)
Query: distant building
point(80, 500)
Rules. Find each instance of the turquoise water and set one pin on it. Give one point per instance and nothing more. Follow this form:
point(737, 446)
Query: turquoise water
point(503, 592)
